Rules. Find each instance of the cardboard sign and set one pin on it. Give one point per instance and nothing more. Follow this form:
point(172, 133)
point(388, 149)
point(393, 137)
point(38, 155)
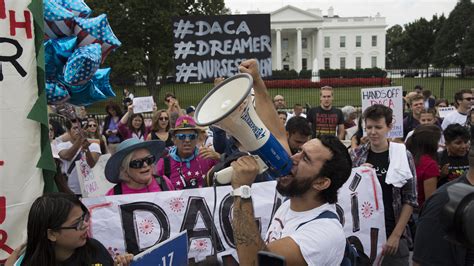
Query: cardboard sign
point(391, 97)
point(444, 111)
point(171, 252)
point(92, 181)
point(207, 47)
point(143, 104)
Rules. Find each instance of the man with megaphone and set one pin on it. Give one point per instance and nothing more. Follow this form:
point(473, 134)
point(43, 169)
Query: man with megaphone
point(296, 232)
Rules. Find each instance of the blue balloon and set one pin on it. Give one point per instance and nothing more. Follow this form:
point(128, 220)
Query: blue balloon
point(82, 64)
point(56, 93)
point(77, 7)
point(102, 82)
point(86, 94)
point(56, 53)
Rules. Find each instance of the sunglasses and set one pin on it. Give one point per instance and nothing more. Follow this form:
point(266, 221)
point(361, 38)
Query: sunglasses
point(163, 118)
point(92, 125)
point(182, 136)
point(468, 98)
point(81, 224)
point(137, 164)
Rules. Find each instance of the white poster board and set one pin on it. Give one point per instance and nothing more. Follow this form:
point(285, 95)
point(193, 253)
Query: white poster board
point(21, 182)
point(391, 97)
point(361, 201)
point(444, 111)
point(92, 181)
point(143, 104)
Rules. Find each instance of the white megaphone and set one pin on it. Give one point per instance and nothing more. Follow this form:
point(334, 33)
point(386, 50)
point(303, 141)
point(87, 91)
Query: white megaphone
point(229, 106)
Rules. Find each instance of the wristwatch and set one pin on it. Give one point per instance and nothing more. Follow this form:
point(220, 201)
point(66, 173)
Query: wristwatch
point(243, 191)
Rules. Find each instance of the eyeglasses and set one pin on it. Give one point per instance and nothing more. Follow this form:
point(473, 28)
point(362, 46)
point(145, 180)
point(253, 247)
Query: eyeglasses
point(81, 224)
point(137, 164)
point(468, 98)
point(163, 118)
point(92, 125)
point(182, 136)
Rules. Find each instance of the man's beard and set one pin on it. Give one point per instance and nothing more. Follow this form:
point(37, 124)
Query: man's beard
point(295, 188)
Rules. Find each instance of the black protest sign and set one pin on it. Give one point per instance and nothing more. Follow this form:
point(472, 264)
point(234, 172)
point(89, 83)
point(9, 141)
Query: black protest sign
point(207, 47)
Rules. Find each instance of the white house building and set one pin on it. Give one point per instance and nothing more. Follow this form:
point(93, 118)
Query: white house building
point(302, 39)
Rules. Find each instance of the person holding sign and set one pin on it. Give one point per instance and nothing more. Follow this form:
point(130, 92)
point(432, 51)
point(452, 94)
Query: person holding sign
point(319, 170)
point(131, 168)
point(57, 235)
point(132, 125)
point(396, 173)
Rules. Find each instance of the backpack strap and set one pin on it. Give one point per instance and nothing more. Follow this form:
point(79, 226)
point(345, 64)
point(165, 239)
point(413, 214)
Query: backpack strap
point(324, 214)
point(118, 189)
point(167, 166)
point(73, 163)
point(161, 182)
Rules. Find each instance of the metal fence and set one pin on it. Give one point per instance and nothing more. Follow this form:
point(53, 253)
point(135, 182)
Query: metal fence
point(442, 83)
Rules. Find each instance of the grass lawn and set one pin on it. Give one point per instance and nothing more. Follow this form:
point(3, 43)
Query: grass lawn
point(191, 94)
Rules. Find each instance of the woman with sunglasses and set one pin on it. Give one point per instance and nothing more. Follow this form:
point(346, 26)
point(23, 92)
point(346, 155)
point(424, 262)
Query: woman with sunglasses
point(131, 168)
point(133, 125)
point(186, 165)
point(160, 128)
point(93, 135)
point(57, 235)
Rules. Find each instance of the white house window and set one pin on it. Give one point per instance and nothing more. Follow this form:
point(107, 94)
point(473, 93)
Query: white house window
point(374, 40)
point(304, 43)
point(304, 63)
point(342, 41)
point(358, 62)
point(342, 62)
point(284, 43)
point(327, 63)
point(358, 41)
point(374, 61)
point(327, 42)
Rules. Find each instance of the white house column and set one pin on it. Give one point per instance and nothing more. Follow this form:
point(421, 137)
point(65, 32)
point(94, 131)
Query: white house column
point(278, 50)
point(313, 50)
point(319, 48)
point(299, 52)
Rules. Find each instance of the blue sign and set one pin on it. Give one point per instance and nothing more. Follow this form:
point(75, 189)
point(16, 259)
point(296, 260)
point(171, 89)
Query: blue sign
point(171, 252)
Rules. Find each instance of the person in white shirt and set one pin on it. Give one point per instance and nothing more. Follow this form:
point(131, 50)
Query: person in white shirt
point(464, 100)
point(318, 171)
point(297, 112)
point(71, 151)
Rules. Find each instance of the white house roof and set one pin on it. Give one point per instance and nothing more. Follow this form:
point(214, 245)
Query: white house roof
point(293, 14)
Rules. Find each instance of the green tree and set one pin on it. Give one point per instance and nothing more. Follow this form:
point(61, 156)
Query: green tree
point(145, 29)
point(449, 40)
point(395, 52)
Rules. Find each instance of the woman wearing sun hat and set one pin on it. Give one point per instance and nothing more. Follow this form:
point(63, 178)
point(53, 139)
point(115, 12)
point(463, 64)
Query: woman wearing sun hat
point(187, 165)
point(131, 168)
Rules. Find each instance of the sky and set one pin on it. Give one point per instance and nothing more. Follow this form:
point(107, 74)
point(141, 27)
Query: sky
point(395, 11)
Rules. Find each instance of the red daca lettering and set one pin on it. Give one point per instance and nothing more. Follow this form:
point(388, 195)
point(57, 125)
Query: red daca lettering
point(3, 209)
point(3, 234)
point(387, 102)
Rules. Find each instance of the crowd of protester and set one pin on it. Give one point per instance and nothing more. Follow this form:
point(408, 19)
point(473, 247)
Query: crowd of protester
point(173, 153)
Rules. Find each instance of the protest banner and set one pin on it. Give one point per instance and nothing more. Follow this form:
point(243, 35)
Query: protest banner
point(149, 218)
point(143, 104)
point(136, 222)
point(21, 178)
point(444, 111)
point(207, 47)
point(391, 97)
point(171, 252)
point(361, 203)
point(92, 181)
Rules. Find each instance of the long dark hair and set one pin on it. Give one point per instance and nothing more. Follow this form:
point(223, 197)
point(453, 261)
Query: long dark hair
point(424, 141)
point(50, 211)
point(130, 125)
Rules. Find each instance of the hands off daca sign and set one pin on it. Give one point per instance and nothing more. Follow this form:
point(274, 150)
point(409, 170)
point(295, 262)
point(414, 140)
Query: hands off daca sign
point(207, 47)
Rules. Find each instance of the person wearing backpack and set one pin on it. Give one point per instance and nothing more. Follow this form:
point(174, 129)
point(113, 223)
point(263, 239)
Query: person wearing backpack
point(131, 168)
point(319, 170)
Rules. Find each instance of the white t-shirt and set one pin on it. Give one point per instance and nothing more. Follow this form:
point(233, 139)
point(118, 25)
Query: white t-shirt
point(453, 118)
point(73, 181)
point(321, 241)
point(290, 115)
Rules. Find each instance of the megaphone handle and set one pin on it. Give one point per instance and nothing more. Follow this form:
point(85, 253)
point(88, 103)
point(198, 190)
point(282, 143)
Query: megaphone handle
point(224, 176)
